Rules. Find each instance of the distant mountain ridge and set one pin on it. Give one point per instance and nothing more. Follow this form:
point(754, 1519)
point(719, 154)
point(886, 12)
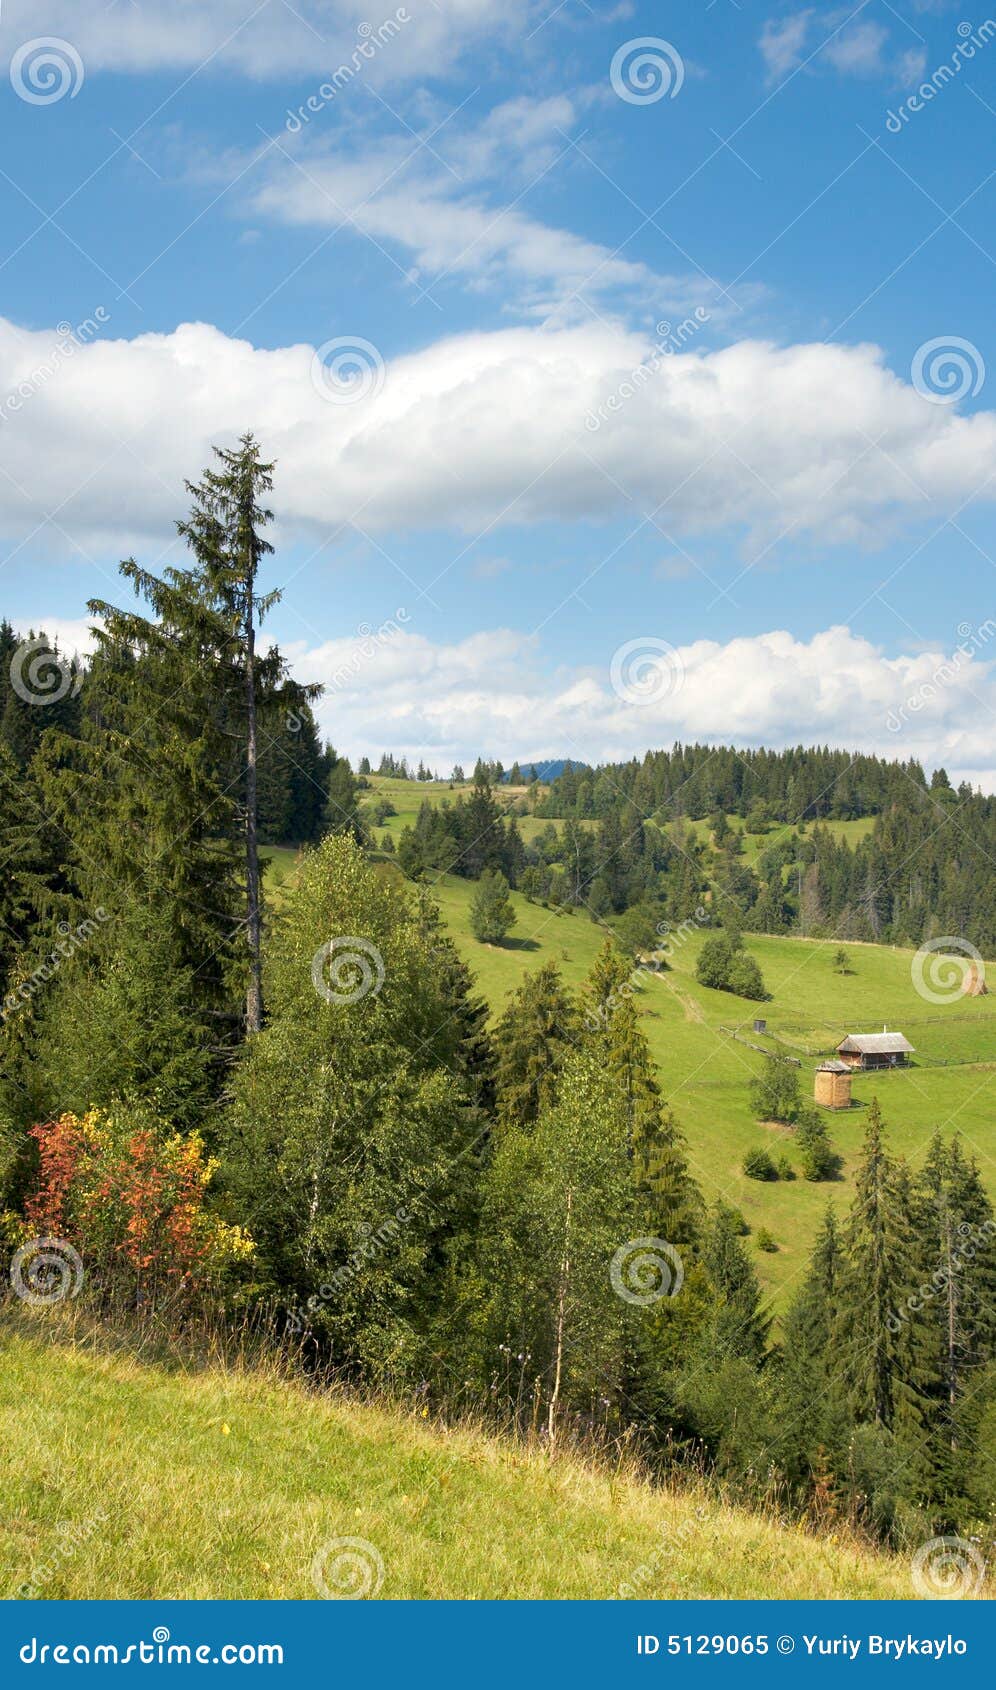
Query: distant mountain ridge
point(547, 768)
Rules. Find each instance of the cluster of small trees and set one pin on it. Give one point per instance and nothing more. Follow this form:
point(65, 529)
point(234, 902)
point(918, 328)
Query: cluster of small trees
point(467, 836)
point(606, 872)
point(398, 768)
point(775, 1096)
point(698, 781)
point(725, 964)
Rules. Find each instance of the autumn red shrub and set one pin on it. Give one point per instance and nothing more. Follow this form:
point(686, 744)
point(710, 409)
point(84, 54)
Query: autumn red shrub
point(131, 1198)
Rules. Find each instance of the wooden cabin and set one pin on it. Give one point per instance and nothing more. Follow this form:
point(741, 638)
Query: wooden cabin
point(875, 1050)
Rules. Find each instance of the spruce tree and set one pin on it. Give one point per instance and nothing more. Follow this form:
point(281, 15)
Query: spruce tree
point(467, 1014)
point(492, 913)
point(533, 1038)
point(202, 642)
point(880, 1337)
point(225, 534)
point(342, 809)
point(956, 1261)
point(609, 980)
point(813, 1420)
point(740, 1325)
point(39, 690)
point(656, 1148)
point(148, 830)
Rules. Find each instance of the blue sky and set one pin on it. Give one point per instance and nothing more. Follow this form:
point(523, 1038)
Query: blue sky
point(672, 324)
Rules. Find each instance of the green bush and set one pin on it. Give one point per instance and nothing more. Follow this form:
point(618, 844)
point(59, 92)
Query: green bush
point(819, 1159)
point(727, 967)
point(715, 962)
point(774, 1095)
point(735, 1219)
point(764, 1240)
point(758, 1165)
point(745, 978)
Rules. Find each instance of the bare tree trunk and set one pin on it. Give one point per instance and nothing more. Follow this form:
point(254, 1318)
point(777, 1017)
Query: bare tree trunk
point(952, 1327)
point(254, 995)
point(565, 1272)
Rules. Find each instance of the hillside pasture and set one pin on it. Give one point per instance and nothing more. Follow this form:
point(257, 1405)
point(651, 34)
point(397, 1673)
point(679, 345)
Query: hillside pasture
point(706, 1073)
point(167, 1478)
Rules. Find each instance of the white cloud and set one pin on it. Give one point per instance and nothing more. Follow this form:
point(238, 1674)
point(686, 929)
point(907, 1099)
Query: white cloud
point(483, 429)
point(72, 635)
point(783, 43)
point(452, 231)
point(457, 207)
point(852, 46)
point(857, 51)
point(488, 694)
point(910, 66)
point(393, 689)
point(263, 38)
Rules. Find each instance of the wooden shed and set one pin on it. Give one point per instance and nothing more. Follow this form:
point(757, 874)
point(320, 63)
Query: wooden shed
point(875, 1050)
point(833, 1085)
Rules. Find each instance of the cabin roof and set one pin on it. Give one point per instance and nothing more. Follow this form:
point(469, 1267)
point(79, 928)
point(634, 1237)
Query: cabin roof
point(833, 1068)
point(876, 1044)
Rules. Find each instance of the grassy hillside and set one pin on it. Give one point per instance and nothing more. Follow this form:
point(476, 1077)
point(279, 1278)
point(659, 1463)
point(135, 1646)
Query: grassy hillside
point(755, 843)
point(408, 796)
point(706, 1073)
point(163, 1481)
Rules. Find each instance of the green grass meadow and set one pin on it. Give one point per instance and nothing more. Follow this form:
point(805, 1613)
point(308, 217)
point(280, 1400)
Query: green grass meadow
point(162, 1478)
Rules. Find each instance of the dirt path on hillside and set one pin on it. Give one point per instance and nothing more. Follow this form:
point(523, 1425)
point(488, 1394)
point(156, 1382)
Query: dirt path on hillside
point(693, 1011)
